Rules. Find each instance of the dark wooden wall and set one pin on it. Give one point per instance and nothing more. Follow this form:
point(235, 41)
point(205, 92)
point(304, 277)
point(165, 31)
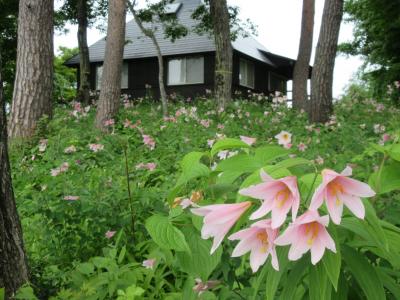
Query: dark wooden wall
point(144, 72)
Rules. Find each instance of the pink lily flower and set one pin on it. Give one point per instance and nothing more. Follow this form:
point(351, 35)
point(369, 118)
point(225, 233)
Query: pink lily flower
point(219, 219)
point(259, 240)
point(277, 196)
point(338, 190)
point(308, 232)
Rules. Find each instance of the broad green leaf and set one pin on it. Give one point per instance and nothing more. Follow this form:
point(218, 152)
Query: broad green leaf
point(332, 261)
point(390, 283)
point(85, 268)
point(228, 177)
point(25, 293)
point(295, 276)
point(342, 290)
point(374, 226)
point(198, 262)
point(192, 168)
point(241, 162)
point(122, 254)
point(291, 162)
point(266, 154)
point(165, 234)
point(319, 285)
point(274, 277)
point(394, 152)
point(227, 144)
point(364, 273)
point(2, 293)
point(386, 180)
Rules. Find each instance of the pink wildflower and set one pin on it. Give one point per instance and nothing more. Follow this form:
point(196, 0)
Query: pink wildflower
point(386, 137)
point(308, 232)
point(210, 143)
point(259, 240)
point(220, 126)
point(43, 145)
point(277, 195)
point(70, 149)
point(109, 122)
point(205, 123)
point(109, 234)
point(202, 287)
point(319, 160)
point(149, 263)
point(96, 147)
point(338, 190)
point(219, 219)
point(288, 145)
point(302, 147)
point(284, 138)
point(248, 140)
point(149, 141)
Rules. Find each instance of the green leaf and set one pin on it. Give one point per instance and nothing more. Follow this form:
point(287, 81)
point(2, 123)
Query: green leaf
point(165, 234)
point(265, 155)
point(364, 273)
point(389, 282)
point(332, 261)
point(319, 285)
point(85, 268)
point(394, 152)
point(25, 293)
point(122, 255)
point(2, 293)
point(342, 290)
point(198, 262)
point(374, 226)
point(294, 278)
point(274, 277)
point(192, 168)
point(241, 163)
point(386, 180)
point(227, 144)
point(291, 162)
point(228, 177)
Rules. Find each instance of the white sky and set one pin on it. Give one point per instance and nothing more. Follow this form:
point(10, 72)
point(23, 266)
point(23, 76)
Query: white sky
point(278, 24)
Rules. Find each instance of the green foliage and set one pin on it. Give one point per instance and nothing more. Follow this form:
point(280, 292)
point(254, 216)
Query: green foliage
point(71, 258)
point(238, 27)
point(377, 28)
point(64, 77)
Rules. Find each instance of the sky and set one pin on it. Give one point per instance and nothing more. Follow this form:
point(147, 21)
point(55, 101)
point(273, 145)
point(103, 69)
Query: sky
point(278, 23)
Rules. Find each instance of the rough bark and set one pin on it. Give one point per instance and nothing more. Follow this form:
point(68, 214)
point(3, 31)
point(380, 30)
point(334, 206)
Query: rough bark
point(301, 69)
point(84, 62)
point(223, 52)
point(110, 87)
point(150, 34)
point(33, 88)
point(322, 75)
point(13, 265)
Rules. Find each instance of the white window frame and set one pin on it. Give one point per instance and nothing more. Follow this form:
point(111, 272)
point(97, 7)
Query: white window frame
point(249, 66)
point(185, 80)
point(124, 81)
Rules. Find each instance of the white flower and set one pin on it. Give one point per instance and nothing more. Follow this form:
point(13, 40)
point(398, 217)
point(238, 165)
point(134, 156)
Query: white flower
point(284, 138)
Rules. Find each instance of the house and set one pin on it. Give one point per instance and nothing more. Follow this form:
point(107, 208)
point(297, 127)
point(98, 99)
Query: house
point(189, 61)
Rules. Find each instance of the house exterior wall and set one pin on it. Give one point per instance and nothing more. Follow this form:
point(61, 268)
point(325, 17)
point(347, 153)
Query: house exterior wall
point(144, 72)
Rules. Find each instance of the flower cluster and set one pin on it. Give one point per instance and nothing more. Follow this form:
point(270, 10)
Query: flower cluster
point(279, 197)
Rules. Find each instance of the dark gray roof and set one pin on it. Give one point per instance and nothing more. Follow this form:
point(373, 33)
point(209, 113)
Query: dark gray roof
point(140, 46)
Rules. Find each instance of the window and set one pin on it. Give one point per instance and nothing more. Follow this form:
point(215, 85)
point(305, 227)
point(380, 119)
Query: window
point(124, 76)
point(246, 74)
point(187, 70)
point(276, 83)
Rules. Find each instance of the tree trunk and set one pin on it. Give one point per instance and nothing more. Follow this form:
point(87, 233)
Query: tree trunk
point(33, 88)
point(84, 62)
point(302, 69)
point(223, 52)
point(150, 34)
point(322, 75)
point(13, 265)
point(110, 88)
